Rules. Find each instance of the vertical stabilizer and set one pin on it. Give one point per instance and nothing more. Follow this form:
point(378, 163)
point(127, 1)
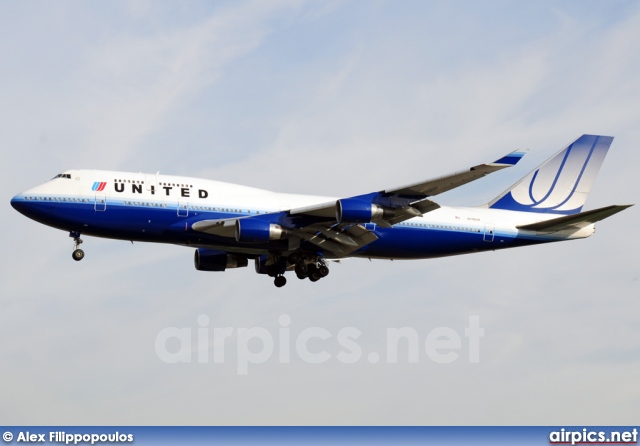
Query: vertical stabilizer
point(562, 183)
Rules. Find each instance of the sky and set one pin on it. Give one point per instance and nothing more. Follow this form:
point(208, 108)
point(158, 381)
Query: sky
point(333, 98)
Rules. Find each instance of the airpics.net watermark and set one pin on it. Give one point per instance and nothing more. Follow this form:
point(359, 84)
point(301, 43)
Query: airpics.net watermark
point(257, 345)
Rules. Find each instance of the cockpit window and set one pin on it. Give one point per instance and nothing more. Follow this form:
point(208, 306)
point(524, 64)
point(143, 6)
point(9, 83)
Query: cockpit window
point(62, 175)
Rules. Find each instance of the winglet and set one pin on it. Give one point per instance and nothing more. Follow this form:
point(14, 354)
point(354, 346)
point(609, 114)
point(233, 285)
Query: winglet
point(510, 159)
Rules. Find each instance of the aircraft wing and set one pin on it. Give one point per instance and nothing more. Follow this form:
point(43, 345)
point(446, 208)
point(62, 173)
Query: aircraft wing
point(337, 239)
point(447, 182)
point(338, 226)
point(403, 203)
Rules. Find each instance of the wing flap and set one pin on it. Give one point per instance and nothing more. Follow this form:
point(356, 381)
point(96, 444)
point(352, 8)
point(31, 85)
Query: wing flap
point(339, 240)
point(417, 209)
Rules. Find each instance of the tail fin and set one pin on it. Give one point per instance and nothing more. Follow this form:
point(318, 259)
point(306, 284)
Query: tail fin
point(561, 184)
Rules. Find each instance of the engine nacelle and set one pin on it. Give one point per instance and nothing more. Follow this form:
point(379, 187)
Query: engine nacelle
point(255, 231)
point(210, 260)
point(352, 210)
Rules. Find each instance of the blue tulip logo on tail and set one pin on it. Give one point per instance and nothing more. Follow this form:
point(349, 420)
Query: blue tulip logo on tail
point(99, 186)
point(562, 183)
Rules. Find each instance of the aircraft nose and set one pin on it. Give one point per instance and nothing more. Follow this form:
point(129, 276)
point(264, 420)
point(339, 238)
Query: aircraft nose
point(17, 203)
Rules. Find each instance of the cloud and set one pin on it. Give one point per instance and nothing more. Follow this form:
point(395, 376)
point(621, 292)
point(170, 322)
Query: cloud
point(132, 80)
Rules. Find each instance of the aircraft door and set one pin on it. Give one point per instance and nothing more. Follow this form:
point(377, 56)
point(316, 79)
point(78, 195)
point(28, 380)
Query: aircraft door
point(489, 232)
point(151, 181)
point(100, 203)
point(183, 208)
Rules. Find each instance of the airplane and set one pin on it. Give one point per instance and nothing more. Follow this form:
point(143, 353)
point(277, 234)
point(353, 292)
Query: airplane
point(230, 224)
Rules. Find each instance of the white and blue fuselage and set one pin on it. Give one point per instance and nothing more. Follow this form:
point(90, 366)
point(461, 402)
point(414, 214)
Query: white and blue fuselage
point(288, 231)
point(162, 208)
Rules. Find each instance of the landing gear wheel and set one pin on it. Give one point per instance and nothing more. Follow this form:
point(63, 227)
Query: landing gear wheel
point(301, 276)
point(301, 269)
point(314, 274)
point(323, 271)
point(272, 271)
point(294, 258)
point(280, 281)
point(78, 255)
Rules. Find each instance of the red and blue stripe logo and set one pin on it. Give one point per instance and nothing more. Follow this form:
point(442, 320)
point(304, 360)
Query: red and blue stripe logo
point(99, 186)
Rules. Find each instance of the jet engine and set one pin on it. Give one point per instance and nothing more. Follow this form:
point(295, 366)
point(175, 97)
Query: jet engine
point(210, 260)
point(352, 210)
point(254, 231)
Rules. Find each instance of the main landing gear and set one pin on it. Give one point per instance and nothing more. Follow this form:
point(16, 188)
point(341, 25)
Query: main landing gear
point(312, 268)
point(78, 254)
point(306, 266)
point(312, 271)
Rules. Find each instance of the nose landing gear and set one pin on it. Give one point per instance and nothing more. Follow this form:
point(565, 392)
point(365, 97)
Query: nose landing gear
point(78, 254)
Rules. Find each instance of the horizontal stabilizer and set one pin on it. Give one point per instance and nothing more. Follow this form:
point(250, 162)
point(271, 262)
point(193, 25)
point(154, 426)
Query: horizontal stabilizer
point(575, 221)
